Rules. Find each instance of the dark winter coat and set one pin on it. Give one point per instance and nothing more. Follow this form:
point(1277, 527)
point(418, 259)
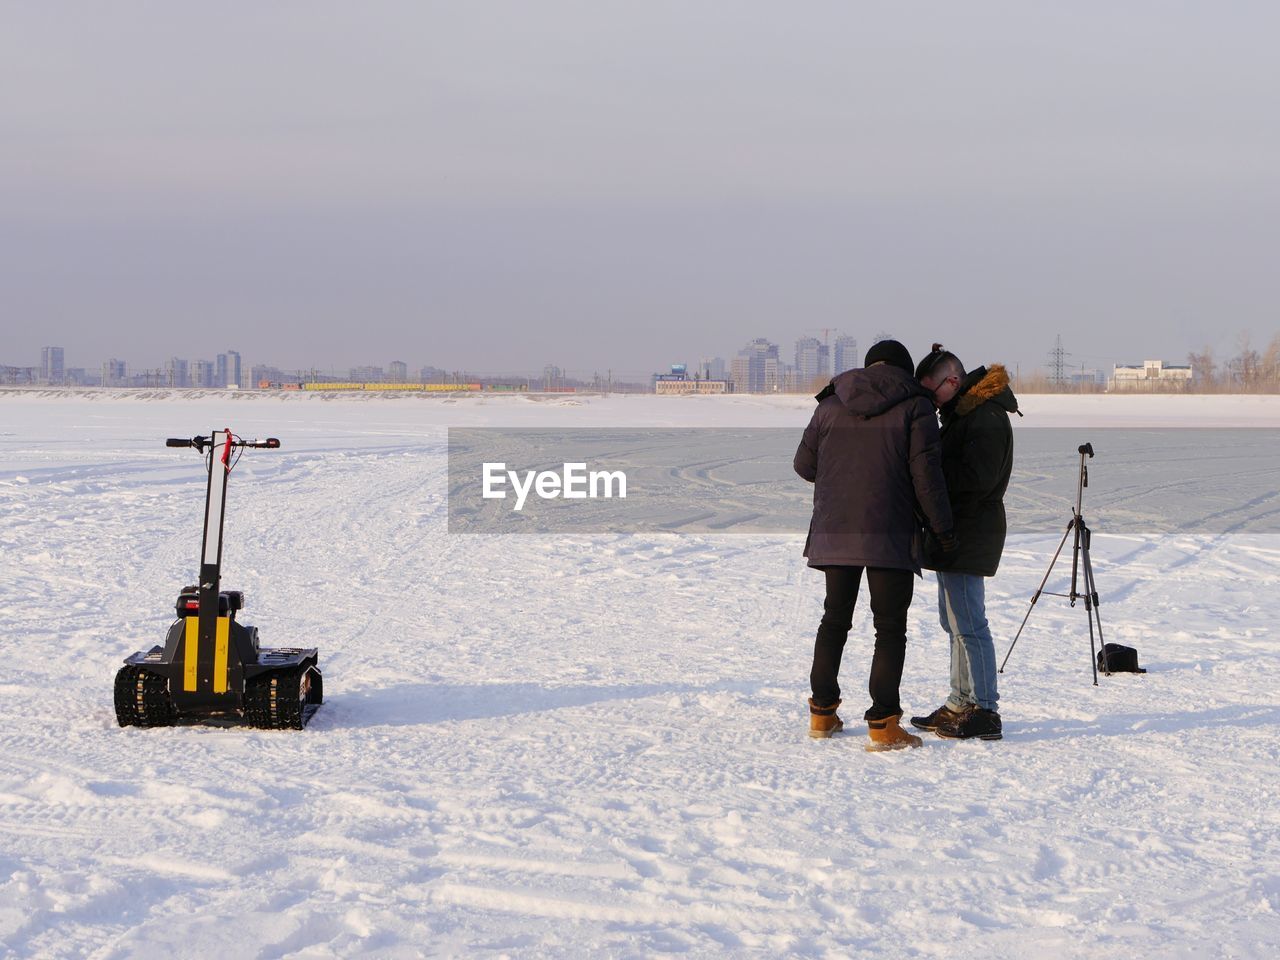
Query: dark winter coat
point(872, 452)
point(977, 459)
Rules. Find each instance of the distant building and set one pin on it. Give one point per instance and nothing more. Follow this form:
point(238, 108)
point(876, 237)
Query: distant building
point(148, 378)
point(845, 354)
point(813, 362)
point(678, 381)
point(114, 374)
point(1088, 378)
point(1152, 376)
point(712, 368)
point(552, 377)
point(367, 375)
point(775, 375)
point(13, 376)
point(265, 373)
point(664, 385)
point(397, 372)
point(51, 368)
point(175, 373)
point(77, 377)
point(227, 373)
point(755, 369)
point(201, 373)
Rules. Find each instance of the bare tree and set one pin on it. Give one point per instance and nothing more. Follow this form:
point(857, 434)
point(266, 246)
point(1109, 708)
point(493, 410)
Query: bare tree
point(1246, 363)
point(1269, 365)
point(1203, 369)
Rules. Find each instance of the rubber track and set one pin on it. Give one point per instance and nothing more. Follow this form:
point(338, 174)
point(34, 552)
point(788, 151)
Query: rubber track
point(272, 701)
point(142, 699)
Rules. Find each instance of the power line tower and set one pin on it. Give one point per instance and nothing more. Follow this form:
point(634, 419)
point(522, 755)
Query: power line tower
point(1057, 362)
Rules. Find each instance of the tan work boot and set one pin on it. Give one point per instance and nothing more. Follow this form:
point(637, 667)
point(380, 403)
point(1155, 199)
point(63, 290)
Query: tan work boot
point(887, 735)
point(823, 721)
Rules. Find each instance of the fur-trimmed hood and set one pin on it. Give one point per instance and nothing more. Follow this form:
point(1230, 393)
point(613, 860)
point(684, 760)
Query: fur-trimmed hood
point(984, 384)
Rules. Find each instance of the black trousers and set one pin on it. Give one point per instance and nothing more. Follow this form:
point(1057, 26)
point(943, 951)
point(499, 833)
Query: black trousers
point(891, 592)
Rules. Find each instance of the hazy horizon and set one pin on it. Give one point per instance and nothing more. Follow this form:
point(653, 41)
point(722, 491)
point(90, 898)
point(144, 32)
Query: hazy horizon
point(596, 184)
point(616, 373)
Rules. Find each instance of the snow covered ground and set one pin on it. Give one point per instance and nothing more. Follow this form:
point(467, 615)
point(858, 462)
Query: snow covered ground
point(595, 745)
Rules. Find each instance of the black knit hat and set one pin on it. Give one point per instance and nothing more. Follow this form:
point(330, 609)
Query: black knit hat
point(891, 351)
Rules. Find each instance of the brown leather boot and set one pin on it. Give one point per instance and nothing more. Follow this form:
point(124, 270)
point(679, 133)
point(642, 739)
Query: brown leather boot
point(823, 721)
point(887, 735)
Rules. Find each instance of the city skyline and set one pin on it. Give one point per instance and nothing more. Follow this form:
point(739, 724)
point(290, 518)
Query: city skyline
point(1078, 354)
point(825, 358)
point(760, 365)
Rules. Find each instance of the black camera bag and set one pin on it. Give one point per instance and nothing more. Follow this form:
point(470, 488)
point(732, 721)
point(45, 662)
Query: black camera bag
point(1119, 658)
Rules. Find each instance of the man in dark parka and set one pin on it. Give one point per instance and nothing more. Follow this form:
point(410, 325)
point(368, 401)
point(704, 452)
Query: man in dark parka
point(872, 452)
point(977, 460)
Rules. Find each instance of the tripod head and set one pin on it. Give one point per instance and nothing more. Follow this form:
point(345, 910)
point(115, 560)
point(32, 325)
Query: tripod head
point(1085, 450)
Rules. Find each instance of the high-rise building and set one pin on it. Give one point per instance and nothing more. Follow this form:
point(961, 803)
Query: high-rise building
point(775, 374)
point(711, 368)
point(398, 372)
point(201, 373)
point(227, 371)
point(367, 375)
point(51, 368)
point(813, 362)
point(175, 373)
point(749, 368)
point(845, 354)
point(113, 374)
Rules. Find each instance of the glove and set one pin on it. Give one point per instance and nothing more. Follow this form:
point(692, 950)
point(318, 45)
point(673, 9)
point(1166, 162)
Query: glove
point(947, 542)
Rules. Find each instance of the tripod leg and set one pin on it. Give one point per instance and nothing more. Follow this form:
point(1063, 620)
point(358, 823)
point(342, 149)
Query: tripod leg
point(1093, 657)
point(1081, 529)
point(1093, 599)
point(1039, 590)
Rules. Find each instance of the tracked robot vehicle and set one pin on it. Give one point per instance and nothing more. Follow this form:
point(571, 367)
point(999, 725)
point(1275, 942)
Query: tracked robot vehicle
point(211, 669)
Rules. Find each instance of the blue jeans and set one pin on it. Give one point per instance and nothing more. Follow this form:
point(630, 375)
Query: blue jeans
point(962, 610)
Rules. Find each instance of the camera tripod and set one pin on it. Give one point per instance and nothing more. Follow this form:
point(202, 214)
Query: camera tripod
point(1080, 562)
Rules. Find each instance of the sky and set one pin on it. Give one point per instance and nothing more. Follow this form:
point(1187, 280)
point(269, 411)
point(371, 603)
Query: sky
point(495, 186)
